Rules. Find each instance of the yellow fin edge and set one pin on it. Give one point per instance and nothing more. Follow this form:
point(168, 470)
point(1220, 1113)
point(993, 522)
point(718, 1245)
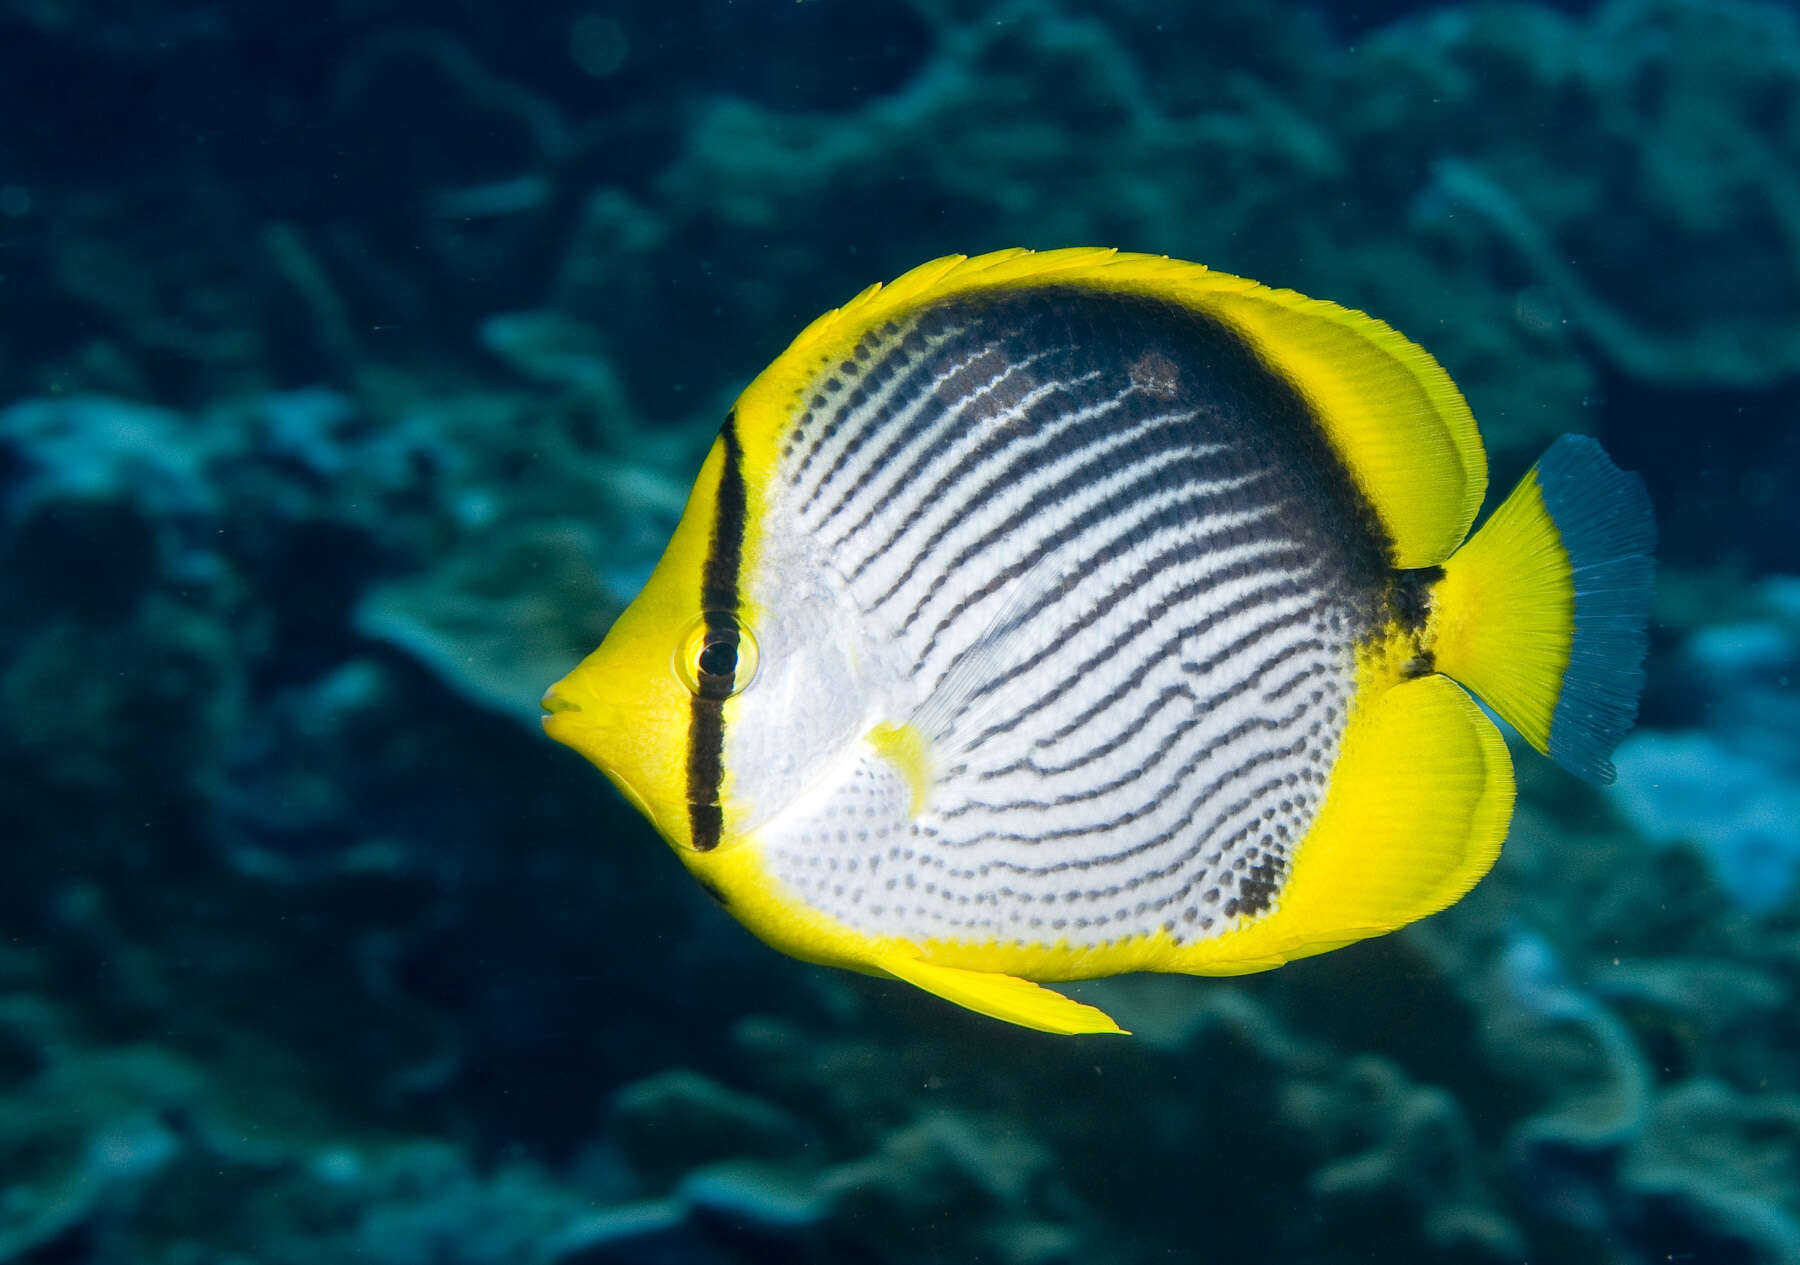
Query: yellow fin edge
point(1393, 415)
point(1002, 997)
point(1418, 806)
point(1420, 800)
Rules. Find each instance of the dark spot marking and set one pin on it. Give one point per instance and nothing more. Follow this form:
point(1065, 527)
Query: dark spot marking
point(1409, 596)
point(1257, 890)
point(1156, 375)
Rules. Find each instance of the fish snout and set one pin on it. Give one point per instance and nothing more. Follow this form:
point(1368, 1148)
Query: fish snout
point(575, 717)
point(561, 713)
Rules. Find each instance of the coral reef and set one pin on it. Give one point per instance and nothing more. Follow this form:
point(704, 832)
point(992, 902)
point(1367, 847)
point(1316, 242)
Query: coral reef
point(1731, 782)
point(358, 360)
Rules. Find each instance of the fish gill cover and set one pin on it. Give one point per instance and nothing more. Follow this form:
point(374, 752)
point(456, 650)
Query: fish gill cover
point(355, 362)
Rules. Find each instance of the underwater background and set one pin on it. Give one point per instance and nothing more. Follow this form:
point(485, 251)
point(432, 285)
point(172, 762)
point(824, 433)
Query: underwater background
point(355, 359)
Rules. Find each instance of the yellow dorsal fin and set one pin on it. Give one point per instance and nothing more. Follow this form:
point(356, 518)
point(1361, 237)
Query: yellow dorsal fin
point(1391, 412)
point(1419, 803)
point(1001, 997)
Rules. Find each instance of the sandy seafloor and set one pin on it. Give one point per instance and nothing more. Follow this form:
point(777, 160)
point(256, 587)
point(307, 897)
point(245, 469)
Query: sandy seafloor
point(355, 357)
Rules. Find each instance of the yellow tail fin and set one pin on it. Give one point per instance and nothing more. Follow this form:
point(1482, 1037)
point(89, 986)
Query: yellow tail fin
point(1544, 613)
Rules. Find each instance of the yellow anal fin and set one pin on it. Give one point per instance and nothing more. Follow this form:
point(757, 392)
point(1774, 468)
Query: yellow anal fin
point(1418, 805)
point(1001, 997)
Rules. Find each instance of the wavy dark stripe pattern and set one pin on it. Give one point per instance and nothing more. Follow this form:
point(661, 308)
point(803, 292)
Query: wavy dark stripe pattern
point(1182, 567)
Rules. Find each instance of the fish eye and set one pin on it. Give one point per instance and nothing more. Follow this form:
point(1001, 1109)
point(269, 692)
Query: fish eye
point(717, 657)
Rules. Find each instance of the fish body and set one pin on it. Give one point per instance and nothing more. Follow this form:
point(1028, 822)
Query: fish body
point(1046, 616)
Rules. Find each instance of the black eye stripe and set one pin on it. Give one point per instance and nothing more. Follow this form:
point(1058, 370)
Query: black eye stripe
point(719, 598)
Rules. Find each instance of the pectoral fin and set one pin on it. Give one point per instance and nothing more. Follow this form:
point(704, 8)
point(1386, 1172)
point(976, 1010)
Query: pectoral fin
point(1002, 997)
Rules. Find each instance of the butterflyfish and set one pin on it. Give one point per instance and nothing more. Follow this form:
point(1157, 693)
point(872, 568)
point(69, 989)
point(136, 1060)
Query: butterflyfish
point(1045, 616)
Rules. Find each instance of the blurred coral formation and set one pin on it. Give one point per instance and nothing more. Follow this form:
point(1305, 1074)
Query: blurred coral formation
point(356, 362)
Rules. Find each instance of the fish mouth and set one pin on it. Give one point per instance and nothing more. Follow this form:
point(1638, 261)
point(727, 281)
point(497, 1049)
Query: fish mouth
point(555, 704)
point(562, 718)
point(564, 721)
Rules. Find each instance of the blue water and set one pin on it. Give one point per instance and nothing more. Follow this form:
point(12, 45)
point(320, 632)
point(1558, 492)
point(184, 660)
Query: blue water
point(355, 359)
